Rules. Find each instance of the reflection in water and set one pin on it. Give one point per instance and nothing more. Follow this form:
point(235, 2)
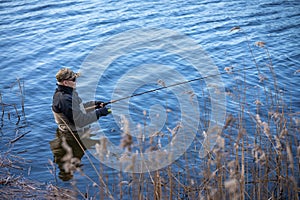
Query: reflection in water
point(68, 149)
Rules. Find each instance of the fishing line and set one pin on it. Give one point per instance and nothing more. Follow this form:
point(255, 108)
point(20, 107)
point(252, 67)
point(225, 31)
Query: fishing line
point(173, 85)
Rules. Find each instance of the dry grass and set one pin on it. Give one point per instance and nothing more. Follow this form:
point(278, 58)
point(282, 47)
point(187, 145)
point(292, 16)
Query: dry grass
point(256, 156)
point(13, 185)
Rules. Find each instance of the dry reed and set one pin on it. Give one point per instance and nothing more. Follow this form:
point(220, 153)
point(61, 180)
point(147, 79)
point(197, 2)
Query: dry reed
point(13, 185)
point(256, 156)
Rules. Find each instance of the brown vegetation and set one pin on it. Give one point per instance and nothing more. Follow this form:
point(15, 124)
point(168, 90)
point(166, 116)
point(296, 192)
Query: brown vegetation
point(256, 156)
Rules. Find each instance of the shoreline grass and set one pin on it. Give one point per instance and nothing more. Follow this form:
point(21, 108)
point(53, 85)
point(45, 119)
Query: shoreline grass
point(256, 156)
point(13, 184)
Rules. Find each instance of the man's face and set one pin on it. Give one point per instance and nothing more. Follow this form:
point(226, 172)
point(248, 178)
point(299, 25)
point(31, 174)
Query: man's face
point(70, 83)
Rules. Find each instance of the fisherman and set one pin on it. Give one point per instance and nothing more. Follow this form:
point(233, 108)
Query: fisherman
point(69, 112)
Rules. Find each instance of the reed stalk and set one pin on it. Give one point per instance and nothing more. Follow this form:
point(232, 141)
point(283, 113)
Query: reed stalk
point(257, 155)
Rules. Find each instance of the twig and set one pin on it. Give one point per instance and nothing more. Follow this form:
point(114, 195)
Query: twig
point(19, 137)
point(21, 88)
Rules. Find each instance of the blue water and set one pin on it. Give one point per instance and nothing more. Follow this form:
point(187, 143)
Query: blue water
point(40, 37)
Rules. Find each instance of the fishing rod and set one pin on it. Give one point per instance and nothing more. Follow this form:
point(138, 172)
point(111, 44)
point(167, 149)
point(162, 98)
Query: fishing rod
point(172, 85)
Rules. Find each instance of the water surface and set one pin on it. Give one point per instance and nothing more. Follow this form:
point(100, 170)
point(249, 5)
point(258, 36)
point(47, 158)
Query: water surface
point(40, 37)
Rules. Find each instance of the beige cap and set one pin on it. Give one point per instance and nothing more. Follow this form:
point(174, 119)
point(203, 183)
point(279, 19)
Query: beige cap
point(65, 74)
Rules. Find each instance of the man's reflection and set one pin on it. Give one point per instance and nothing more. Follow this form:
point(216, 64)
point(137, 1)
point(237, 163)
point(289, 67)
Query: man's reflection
point(68, 149)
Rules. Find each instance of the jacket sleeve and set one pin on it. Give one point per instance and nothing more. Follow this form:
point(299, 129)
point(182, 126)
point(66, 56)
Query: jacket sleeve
point(81, 118)
point(74, 113)
point(89, 104)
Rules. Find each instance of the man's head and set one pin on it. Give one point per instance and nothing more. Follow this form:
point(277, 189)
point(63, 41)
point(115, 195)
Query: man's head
point(66, 77)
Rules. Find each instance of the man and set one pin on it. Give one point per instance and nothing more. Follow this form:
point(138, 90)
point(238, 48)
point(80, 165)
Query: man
point(69, 111)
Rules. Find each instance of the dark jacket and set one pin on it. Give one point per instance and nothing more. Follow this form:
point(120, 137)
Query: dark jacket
point(68, 109)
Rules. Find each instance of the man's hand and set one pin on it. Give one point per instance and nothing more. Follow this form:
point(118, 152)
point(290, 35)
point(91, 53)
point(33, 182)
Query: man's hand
point(103, 112)
point(99, 104)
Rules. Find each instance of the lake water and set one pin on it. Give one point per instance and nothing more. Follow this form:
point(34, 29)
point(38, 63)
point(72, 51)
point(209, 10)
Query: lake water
point(40, 37)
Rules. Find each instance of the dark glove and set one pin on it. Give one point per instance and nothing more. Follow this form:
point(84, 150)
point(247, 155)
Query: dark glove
point(102, 112)
point(99, 104)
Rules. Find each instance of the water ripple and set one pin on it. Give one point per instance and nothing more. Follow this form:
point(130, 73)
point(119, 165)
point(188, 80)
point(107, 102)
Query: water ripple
point(39, 37)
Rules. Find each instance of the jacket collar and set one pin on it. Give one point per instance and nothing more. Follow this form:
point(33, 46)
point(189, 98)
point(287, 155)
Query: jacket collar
point(65, 89)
